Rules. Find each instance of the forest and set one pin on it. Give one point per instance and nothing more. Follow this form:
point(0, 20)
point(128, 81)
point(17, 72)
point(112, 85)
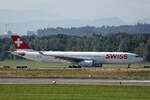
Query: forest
point(139, 28)
point(122, 42)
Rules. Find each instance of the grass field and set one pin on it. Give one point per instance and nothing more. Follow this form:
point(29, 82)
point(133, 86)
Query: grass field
point(37, 65)
point(73, 92)
point(37, 69)
point(30, 64)
point(111, 74)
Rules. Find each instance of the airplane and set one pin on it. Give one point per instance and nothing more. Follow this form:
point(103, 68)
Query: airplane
point(76, 59)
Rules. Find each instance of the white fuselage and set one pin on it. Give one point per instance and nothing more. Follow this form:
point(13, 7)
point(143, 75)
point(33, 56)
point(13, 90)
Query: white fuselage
point(97, 57)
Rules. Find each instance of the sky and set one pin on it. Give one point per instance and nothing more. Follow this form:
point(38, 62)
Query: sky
point(127, 10)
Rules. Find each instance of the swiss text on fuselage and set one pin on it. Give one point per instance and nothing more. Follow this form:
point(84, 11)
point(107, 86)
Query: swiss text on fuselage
point(116, 56)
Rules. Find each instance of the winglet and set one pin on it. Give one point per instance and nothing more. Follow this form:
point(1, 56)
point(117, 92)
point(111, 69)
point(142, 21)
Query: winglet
point(19, 43)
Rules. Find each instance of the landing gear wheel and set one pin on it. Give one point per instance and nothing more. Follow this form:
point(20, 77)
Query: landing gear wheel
point(70, 66)
point(73, 66)
point(129, 65)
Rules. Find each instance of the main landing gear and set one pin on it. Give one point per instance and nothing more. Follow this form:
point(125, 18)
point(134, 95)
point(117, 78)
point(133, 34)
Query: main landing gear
point(74, 66)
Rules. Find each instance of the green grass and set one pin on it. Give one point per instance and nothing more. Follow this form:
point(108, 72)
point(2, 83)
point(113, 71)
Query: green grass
point(73, 92)
point(30, 64)
point(37, 65)
point(36, 69)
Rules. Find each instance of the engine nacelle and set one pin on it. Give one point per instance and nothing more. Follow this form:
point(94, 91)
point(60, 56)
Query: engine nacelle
point(88, 63)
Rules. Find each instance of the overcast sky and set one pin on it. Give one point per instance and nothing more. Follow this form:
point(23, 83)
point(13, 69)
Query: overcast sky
point(127, 10)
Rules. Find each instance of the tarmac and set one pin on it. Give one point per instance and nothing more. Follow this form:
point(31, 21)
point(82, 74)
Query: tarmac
point(82, 81)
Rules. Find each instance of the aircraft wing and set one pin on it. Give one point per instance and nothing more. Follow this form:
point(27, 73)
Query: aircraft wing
point(68, 58)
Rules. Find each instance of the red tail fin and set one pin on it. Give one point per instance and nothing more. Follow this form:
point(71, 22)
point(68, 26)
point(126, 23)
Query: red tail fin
point(19, 43)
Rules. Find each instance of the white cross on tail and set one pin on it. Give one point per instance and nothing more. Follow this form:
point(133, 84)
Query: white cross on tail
point(18, 42)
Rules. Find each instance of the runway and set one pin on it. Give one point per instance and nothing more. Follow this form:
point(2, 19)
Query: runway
point(84, 81)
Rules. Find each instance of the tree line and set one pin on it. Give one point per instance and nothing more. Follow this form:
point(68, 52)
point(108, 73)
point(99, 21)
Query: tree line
point(90, 30)
point(121, 42)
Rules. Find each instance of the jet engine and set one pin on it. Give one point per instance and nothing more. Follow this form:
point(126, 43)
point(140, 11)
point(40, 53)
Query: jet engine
point(89, 63)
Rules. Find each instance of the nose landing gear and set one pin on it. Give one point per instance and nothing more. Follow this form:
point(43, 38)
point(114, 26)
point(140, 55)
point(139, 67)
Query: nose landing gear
point(129, 65)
